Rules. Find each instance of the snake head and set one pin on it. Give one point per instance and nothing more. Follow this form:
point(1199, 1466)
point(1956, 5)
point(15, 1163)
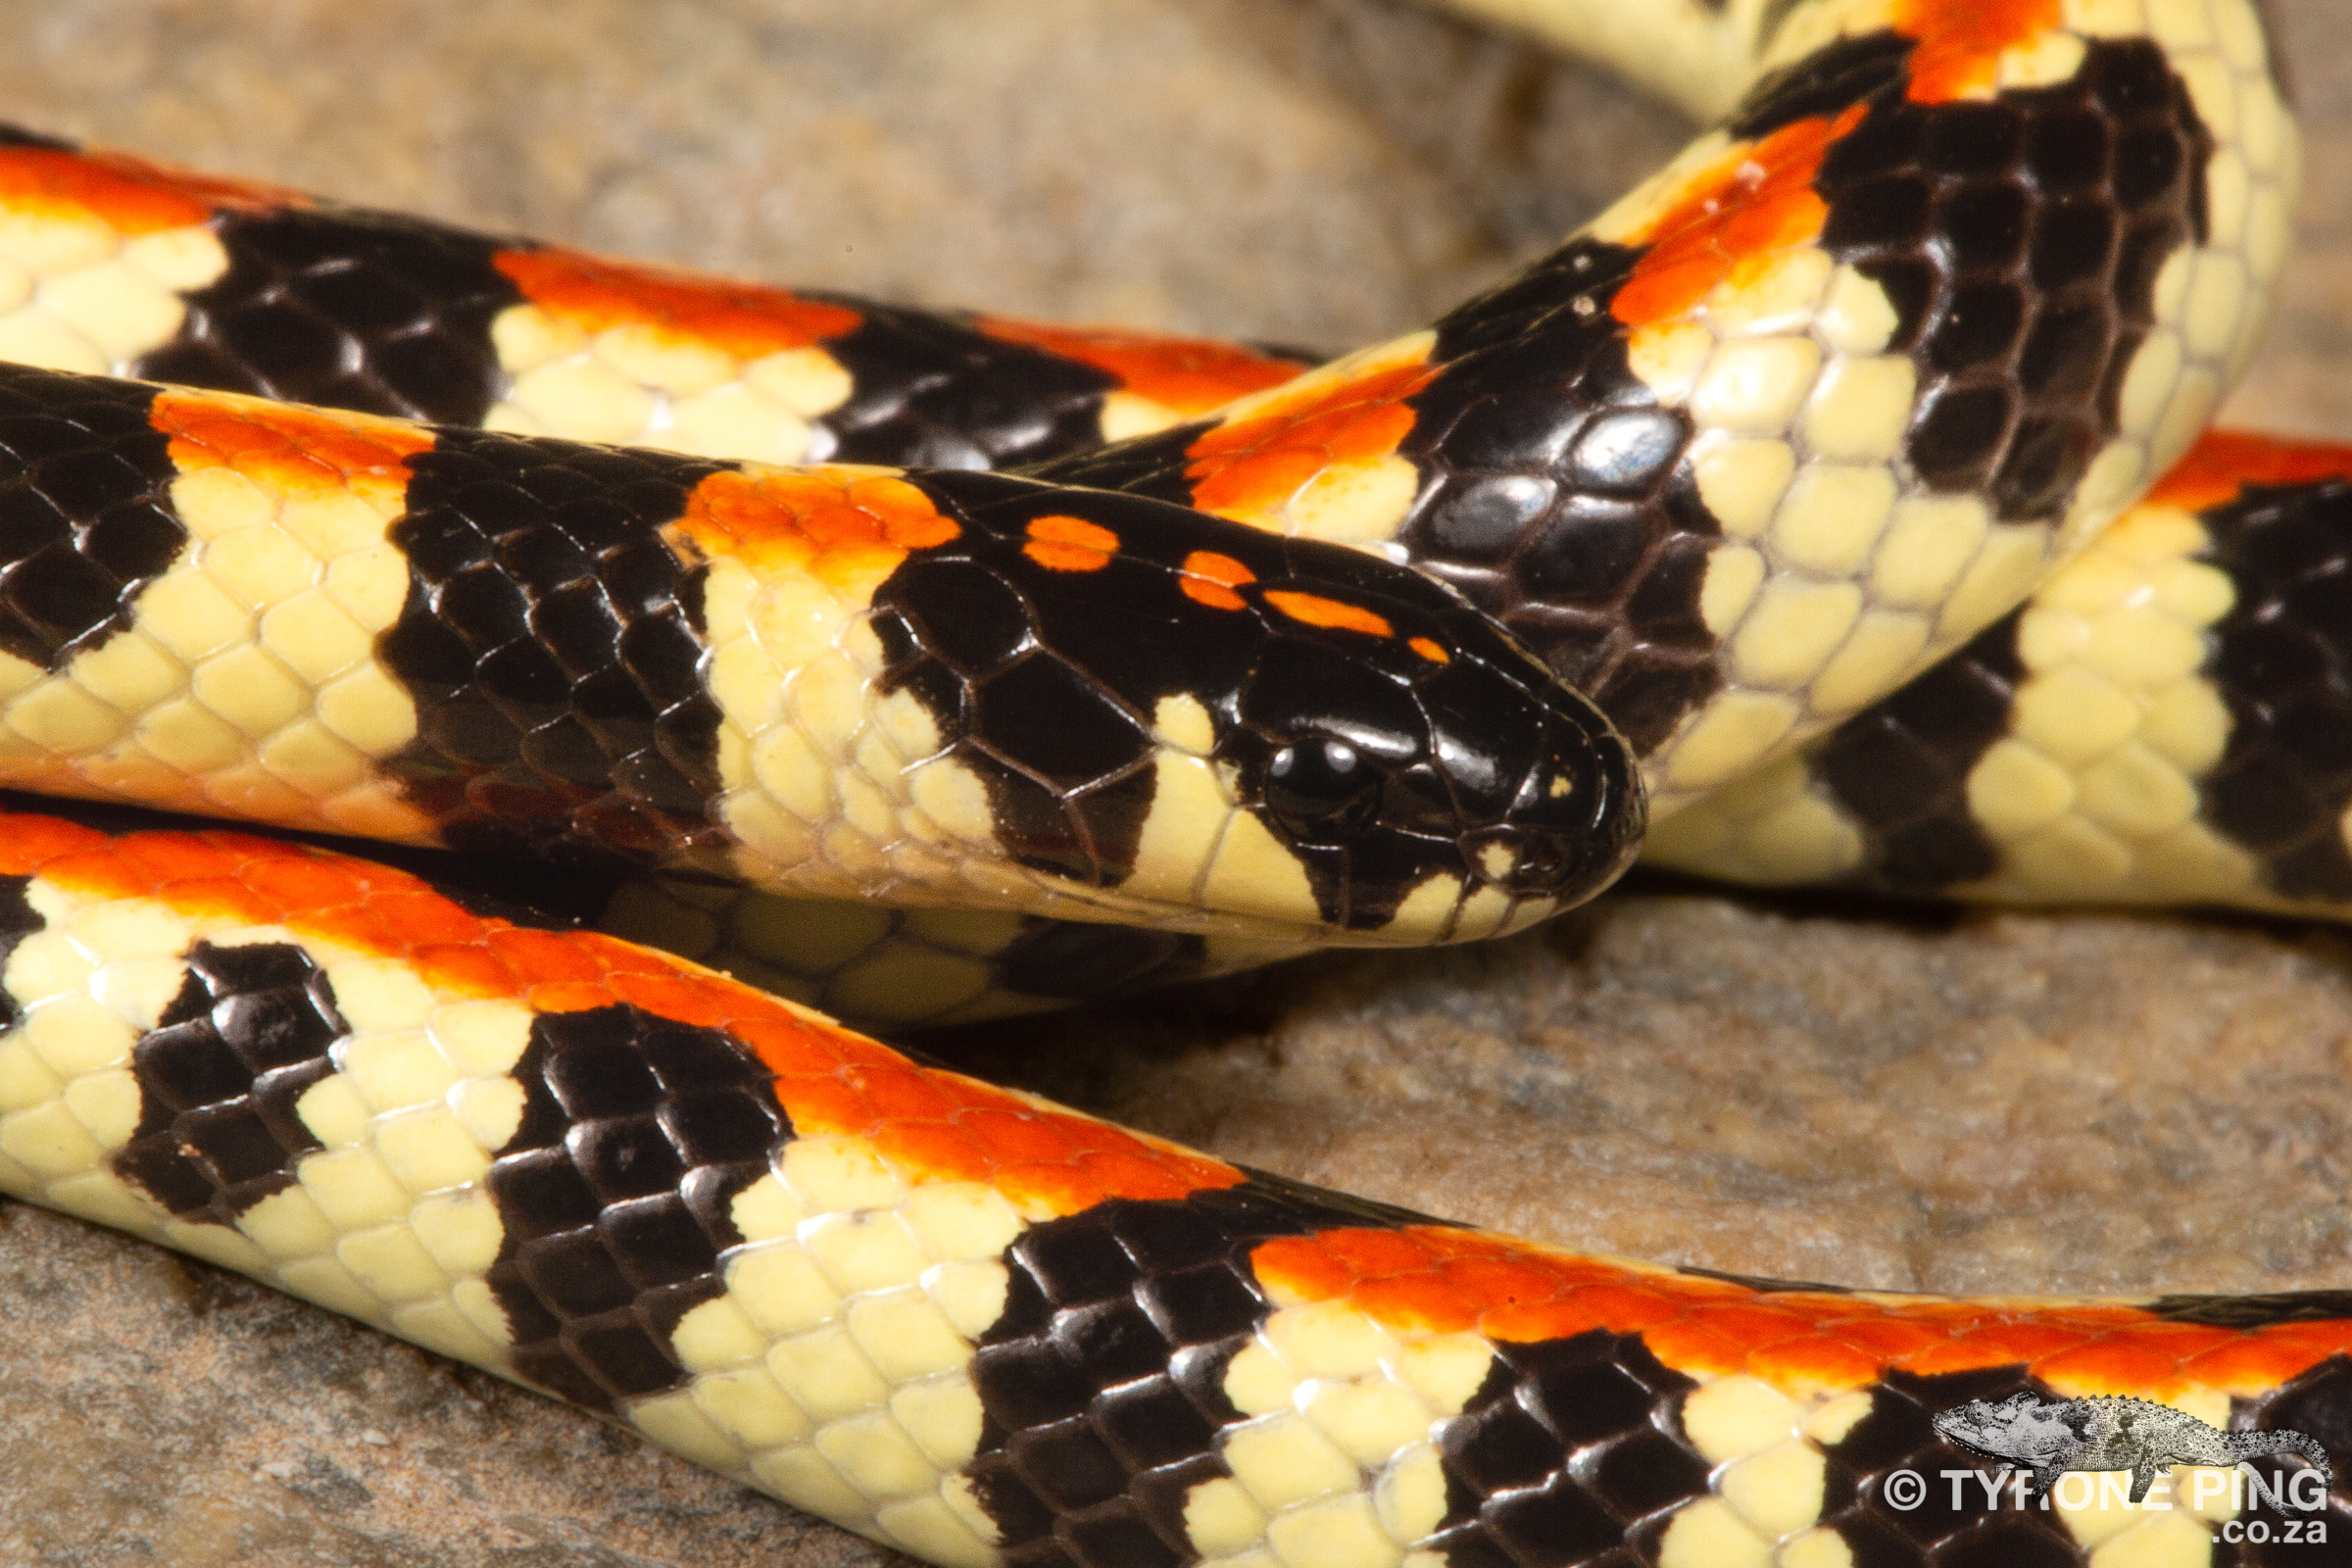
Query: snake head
point(1436, 786)
point(1176, 718)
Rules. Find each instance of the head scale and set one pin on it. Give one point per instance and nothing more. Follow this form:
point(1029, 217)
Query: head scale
point(1251, 733)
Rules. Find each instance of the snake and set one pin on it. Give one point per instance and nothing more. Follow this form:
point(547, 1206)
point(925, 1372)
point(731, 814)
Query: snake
point(1862, 436)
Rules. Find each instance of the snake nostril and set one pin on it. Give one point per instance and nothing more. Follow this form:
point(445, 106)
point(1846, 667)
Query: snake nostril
point(1546, 862)
point(1527, 862)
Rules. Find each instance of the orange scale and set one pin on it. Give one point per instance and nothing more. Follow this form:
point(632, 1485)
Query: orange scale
point(1627, 1306)
point(1995, 1345)
point(907, 1094)
point(1057, 1189)
point(2224, 461)
point(1377, 1253)
point(543, 955)
point(1756, 199)
point(789, 1048)
point(566, 996)
point(169, 856)
point(1562, 1271)
point(1689, 1346)
point(1527, 1323)
point(1015, 1136)
point(298, 884)
point(1815, 1363)
point(2251, 1365)
point(464, 969)
point(1066, 558)
point(615, 957)
point(1250, 482)
point(1090, 1138)
point(1146, 1175)
point(681, 999)
point(844, 1046)
point(351, 926)
point(126, 193)
point(2332, 1336)
point(819, 1104)
point(1304, 1266)
point(97, 871)
point(400, 934)
point(1078, 532)
point(414, 914)
point(222, 898)
point(1960, 46)
point(1889, 1339)
point(285, 444)
point(1666, 291)
point(1752, 1323)
point(1262, 458)
point(1423, 1303)
point(746, 319)
point(1504, 1281)
point(1619, 1313)
point(1952, 1315)
point(30, 841)
point(934, 1149)
point(818, 521)
point(1189, 376)
point(2110, 1366)
point(2182, 1340)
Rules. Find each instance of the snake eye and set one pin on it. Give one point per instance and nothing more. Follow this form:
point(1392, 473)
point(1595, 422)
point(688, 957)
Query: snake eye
point(1321, 790)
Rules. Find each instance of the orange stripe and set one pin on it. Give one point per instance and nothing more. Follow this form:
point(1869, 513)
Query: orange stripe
point(289, 448)
point(1317, 610)
point(1960, 45)
point(1254, 465)
point(128, 194)
point(1444, 1281)
point(746, 319)
point(2223, 463)
point(839, 525)
point(1733, 221)
point(1185, 375)
point(828, 1079)
point(1430, 649)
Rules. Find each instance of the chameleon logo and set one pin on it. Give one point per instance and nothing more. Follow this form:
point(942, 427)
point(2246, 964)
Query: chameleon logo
point(2050, 1437)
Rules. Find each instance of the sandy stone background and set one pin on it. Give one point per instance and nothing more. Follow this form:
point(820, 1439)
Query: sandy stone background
point(1877, 1096)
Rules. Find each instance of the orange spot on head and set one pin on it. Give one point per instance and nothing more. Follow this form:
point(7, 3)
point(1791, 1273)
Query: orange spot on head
point(1209, 579)
point(1317, 610)
point(1732, 221)
point(1430, 649)
point(1959, 46)
point(128, 194)
point(1186, 375)
point(288, 448)
point(2219, 467)
point(745, 320)
point(1060, 543)
point(840, 525)
point(1249, 467)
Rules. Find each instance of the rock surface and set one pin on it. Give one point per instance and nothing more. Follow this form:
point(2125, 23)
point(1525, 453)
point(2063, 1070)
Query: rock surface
point(1875, 1096)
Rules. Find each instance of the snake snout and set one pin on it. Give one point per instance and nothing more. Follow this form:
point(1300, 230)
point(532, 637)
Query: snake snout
point(1430, 780)
point(1571, 830)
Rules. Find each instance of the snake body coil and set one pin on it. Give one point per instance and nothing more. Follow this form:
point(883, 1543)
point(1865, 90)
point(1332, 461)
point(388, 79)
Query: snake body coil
point(1820, 405)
